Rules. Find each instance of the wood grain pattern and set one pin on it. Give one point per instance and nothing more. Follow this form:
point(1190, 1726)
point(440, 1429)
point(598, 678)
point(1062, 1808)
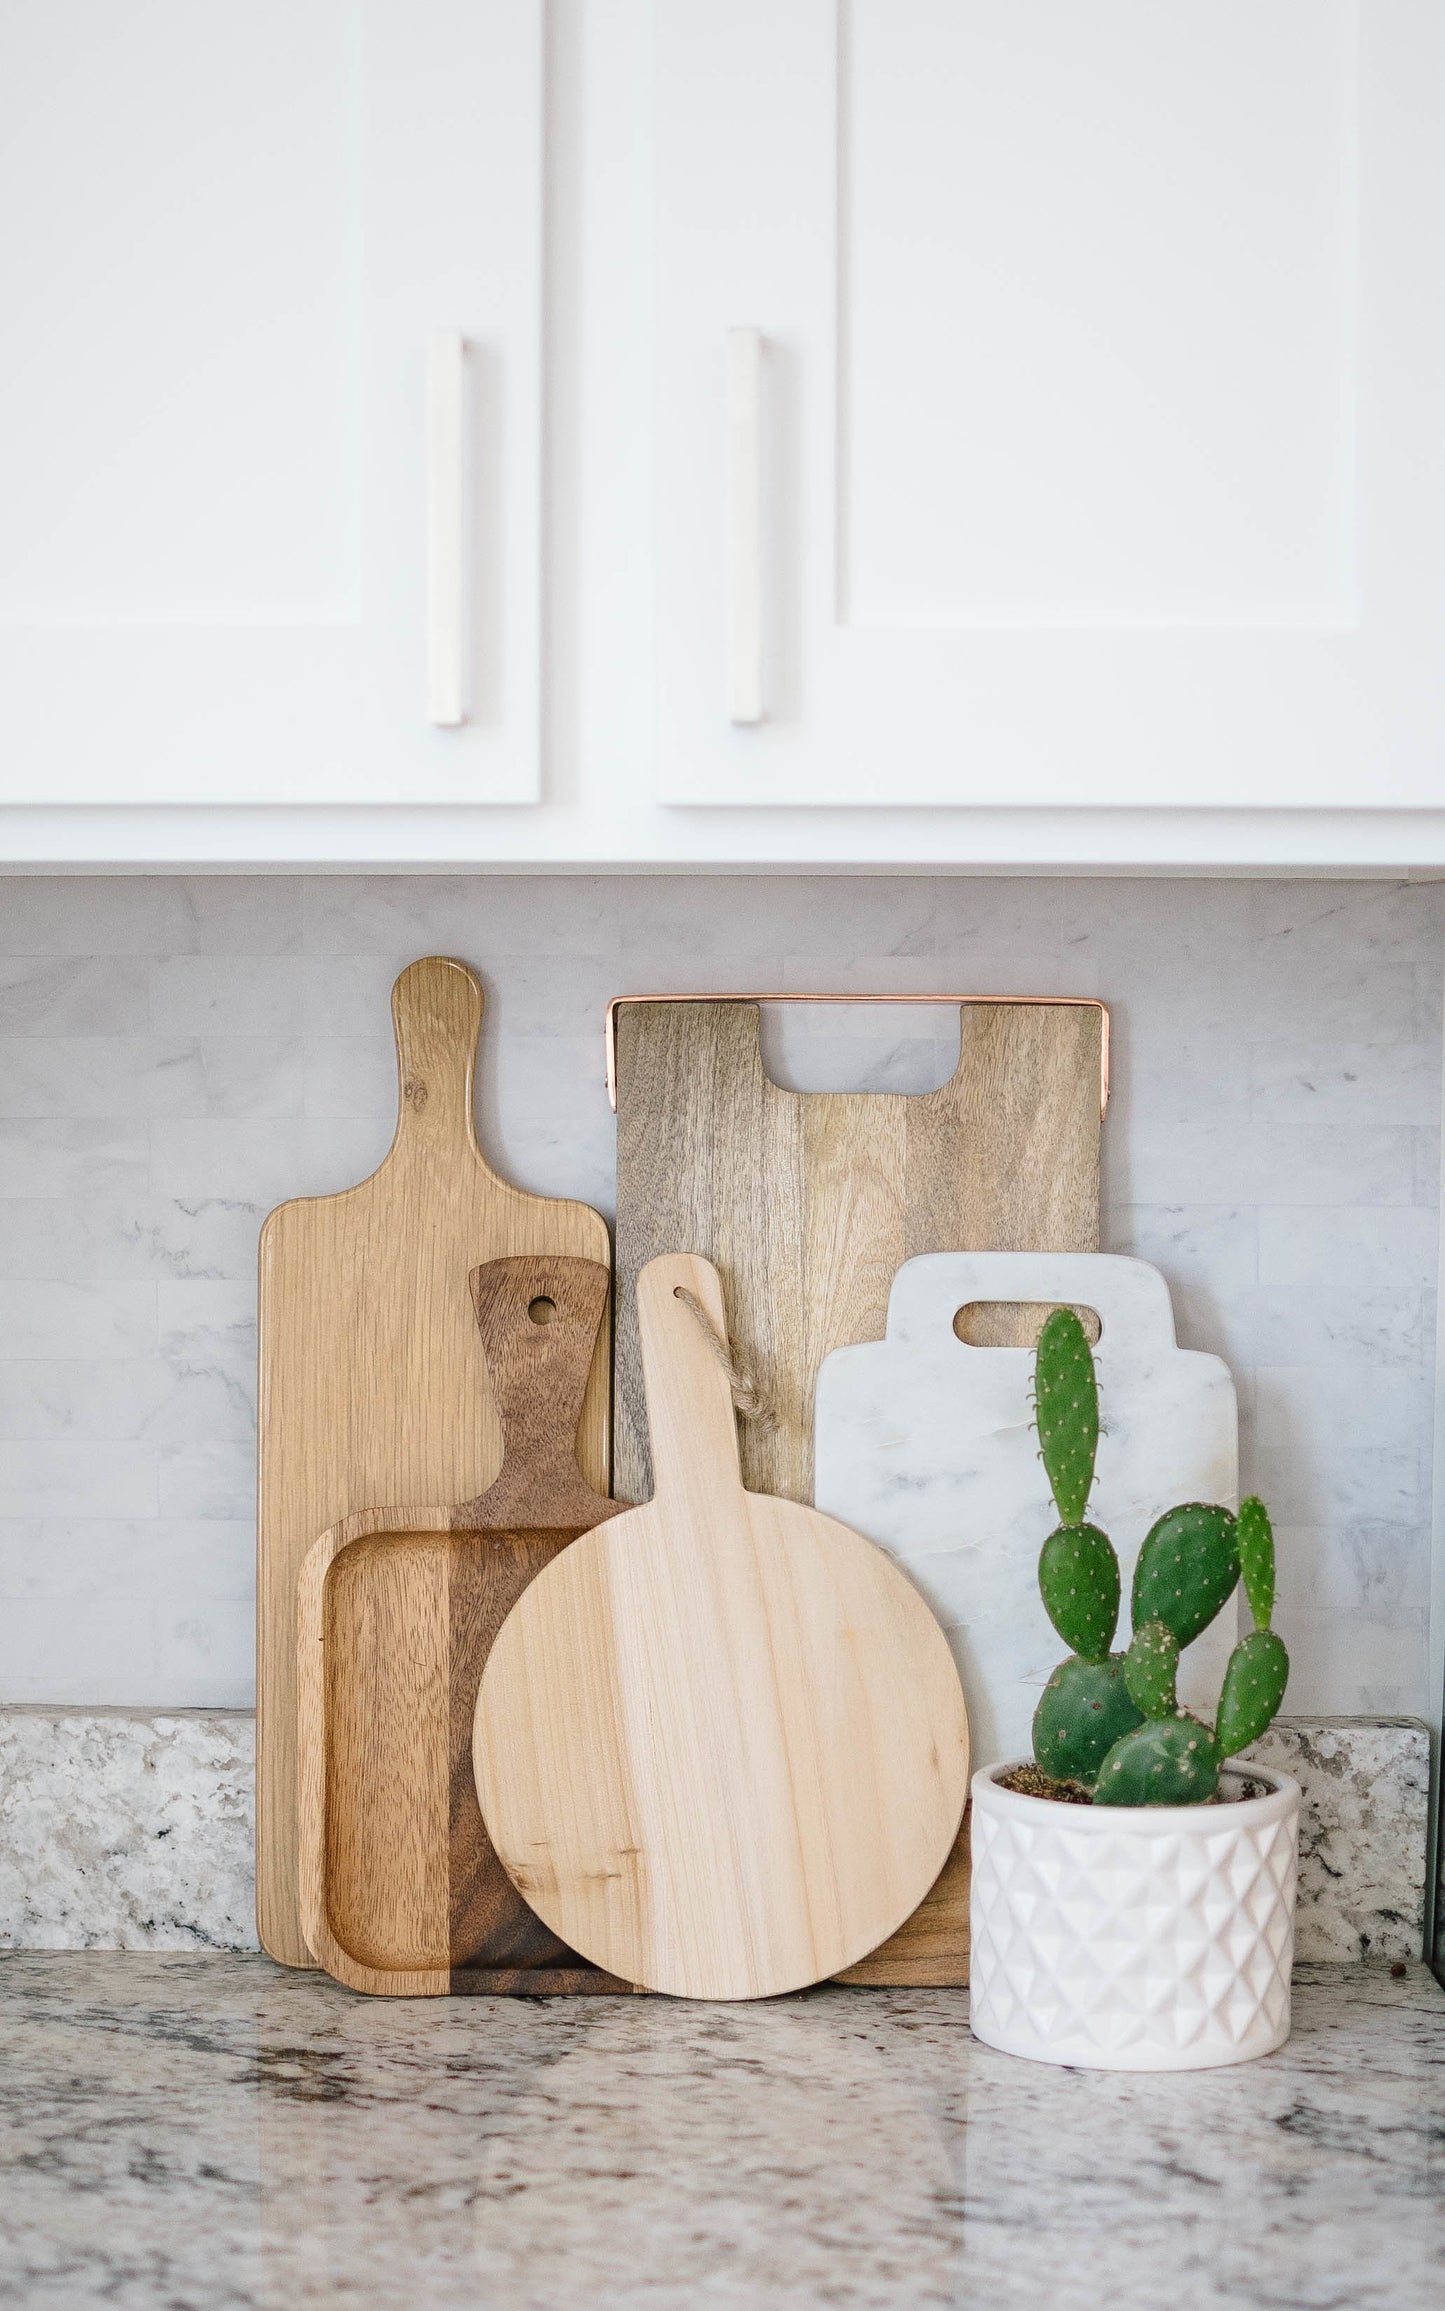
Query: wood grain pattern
point(808, 1203)
point(397, 1609)
point(721, 1744)
point(373, 1383)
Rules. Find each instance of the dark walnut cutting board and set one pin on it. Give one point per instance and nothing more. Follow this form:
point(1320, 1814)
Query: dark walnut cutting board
point(373, 1384)
point(397, 1610)
point(809, 1203)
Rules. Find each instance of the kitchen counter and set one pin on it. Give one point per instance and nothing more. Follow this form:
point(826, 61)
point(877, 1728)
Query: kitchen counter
point(203, 2133)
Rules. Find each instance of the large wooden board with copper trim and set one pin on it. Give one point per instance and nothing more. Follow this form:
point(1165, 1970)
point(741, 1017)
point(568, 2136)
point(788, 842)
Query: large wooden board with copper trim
point(808, 1204)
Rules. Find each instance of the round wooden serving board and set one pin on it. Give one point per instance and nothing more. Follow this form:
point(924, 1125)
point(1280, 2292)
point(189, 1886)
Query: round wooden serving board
point(720, 1745)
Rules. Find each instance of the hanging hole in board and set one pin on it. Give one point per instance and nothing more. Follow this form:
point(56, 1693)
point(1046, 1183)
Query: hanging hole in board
point(1015, 1323)
point(541, 1310)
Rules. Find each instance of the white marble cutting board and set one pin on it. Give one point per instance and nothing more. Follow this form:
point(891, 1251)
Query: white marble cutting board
point(927, 1445)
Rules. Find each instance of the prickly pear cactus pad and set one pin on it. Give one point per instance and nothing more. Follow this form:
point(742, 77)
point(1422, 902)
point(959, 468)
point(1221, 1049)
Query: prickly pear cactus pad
point(1080, 1585)
point(1151, 1668)
point(1066, 1411)
point(1258, 1670)
point(1082, 1712)
point(1167, 1761)
point(1254, 1537)
point(1254, 1686)
point(1186, 1570)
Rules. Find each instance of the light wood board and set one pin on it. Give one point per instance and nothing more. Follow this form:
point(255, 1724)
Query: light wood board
point(808, 1203)
point(397, 1609)
point(721, 1745)
point(373, 1384)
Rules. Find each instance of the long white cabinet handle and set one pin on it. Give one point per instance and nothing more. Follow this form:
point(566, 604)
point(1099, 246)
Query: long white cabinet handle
point(446, 528)
point(745, 525)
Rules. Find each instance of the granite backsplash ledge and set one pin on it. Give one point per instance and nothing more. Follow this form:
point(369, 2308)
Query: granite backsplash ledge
point(125, 1830)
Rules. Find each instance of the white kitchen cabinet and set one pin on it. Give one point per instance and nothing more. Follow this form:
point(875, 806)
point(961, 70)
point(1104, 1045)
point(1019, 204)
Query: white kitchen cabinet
point(1091, 447)
point(258, 544)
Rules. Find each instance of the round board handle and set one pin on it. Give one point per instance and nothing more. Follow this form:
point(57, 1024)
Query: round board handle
point(436, 1010)
point(690, 1412)
point(538, 1315)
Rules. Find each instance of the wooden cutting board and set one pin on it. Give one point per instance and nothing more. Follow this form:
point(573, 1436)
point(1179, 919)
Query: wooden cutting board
point(808, 1204)
point(721, 1745)
point(397, 1610)
point(927, 1444)
point(373, 1384)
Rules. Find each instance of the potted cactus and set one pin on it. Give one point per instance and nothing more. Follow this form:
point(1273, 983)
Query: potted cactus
point(1133, 1893)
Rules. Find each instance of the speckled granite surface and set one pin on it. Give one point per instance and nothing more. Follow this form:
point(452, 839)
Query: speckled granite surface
point(127, 1831)
point(123, 1831)
point(214, 2134)
point(1366, 1796)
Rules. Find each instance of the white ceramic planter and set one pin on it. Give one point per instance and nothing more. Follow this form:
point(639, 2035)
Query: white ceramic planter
point(1133, 1937)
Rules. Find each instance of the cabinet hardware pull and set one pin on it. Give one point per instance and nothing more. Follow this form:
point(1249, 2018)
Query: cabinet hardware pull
point(745, 525)
point(446, 571)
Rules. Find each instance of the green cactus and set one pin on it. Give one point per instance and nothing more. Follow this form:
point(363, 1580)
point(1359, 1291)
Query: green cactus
point(1168, 1761)
point(1082, 1712)
point(1066, 1411)
point(1254, 1538)
point(1253, 1689)
point(1112, 1720)
point(1258, 1670)
point(1151, 1670)
point(1080, 1585)
point(1187, 1570)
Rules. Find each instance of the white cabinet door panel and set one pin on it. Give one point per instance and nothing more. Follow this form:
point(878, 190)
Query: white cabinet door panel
point(230, 235)
point(1103, 399)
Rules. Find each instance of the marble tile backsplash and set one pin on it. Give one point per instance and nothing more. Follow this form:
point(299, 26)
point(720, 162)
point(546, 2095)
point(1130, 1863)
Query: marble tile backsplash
point(177, 1054)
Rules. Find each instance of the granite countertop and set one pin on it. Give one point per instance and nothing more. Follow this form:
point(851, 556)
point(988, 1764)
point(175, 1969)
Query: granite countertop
point(205, 2133)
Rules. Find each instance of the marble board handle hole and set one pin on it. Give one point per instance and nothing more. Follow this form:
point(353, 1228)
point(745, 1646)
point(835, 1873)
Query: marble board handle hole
point(1015, 1323)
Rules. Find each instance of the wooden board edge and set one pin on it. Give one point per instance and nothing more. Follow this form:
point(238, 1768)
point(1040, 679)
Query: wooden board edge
point(428, 1982)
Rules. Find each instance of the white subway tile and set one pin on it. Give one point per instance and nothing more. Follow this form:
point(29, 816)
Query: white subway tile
point(70, 1478)
point(80, 994)
point(81, 1158)
point(73, 1319)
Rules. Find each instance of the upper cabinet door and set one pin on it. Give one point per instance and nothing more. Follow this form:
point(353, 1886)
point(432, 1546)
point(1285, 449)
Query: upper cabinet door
point(1052, 402)
point(270, 408)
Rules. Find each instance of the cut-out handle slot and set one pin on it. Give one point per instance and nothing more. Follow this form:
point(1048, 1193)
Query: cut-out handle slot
point(1016, 1323)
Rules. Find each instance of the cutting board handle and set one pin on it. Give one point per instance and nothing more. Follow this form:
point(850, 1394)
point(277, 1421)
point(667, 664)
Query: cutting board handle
point(690, 1413)
point(1130, 1297)
point(538, 1314)
point(436, 1008)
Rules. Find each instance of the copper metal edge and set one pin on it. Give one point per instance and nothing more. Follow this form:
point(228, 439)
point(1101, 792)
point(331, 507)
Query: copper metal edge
point(1093, 1002)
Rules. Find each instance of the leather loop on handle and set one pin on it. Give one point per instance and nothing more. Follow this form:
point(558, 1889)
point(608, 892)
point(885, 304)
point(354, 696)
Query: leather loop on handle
point(436, 1008)
point(538, 1315)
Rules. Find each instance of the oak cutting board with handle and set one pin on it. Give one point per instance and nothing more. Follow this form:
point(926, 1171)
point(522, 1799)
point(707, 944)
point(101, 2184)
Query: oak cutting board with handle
point(373, 1383)
point(927, 1444)
point(397, 1609)
point(721, 1746)
point(808, 1203)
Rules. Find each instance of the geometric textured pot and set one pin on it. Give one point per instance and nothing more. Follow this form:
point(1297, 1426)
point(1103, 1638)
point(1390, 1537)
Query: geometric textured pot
point(1133, 1937)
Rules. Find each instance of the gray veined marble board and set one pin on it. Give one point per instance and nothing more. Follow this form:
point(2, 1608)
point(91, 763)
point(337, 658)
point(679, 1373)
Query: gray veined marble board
point(926, 1444)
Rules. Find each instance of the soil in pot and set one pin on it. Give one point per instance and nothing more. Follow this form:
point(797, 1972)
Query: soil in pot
point(1031, 1781)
